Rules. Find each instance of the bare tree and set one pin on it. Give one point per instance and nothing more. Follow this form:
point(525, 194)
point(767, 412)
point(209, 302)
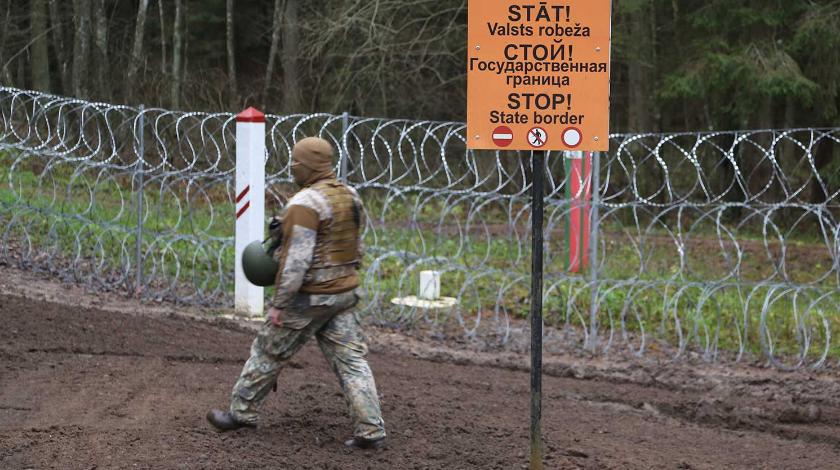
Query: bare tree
point(640, 50)
point(15, 45)
point(4, 36)
point(291, 51)
point(57, 28)
point(81, 47)
point(136, 48)
point(161, 12)
point(177, 44)
point(365, 56)
point(276, 29)
point(103, 67)
point(231, 54)
point(40, 41)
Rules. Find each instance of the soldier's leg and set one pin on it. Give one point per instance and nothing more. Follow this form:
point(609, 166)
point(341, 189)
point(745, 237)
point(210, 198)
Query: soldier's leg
point(343, 344)
point(272, 346)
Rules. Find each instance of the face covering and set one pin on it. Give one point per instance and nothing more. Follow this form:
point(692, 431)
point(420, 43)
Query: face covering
point(312, 161)
point(300, 173)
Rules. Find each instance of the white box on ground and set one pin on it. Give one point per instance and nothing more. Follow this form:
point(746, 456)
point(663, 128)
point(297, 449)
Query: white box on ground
point(429, 285)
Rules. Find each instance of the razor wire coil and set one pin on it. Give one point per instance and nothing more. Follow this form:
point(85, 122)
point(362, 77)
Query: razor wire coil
point(715, 244)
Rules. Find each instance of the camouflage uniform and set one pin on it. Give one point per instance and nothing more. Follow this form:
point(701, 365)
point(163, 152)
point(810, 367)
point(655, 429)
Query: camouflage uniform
point(307, 312)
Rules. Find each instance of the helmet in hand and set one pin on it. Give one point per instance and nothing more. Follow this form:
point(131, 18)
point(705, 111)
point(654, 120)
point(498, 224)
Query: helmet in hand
point(258, 264)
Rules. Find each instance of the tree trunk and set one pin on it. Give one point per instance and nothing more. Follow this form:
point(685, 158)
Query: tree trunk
point(163, 69)
point(81, 47)
point(758, 166)
point(5, 75)
point(12, 35)
point(291, 50)
point(652, 71)
point(640, 62)
point(57, 26)
point(822, 157)
point(789, 155)
point(177, 42)
point(136, 49)
point(21, 72)
point(231, 55)
point(276, 29)
point(40, 41)
point(103, 69)
point(185, 47)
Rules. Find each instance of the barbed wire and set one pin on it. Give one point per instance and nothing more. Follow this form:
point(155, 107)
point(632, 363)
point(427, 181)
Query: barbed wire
point(720, 244)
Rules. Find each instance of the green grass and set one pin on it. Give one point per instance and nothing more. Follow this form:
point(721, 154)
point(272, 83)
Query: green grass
point(90, 216)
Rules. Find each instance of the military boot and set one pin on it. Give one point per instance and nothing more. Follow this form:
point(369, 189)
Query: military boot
point(360, 443)
point(224, 421)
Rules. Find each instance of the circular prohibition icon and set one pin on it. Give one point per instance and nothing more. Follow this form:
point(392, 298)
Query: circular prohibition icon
point(502, 136)
point(537, 137)
point(572, 137)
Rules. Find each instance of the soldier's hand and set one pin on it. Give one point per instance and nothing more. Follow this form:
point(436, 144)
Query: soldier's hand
point(275, 233)
point(275, 316)
point(275, 225)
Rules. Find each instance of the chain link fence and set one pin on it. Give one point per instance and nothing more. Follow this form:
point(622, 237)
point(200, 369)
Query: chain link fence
point(719, 244)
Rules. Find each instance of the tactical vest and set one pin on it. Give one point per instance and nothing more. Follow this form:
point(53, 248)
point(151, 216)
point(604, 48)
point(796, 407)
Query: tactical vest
point(337, 243)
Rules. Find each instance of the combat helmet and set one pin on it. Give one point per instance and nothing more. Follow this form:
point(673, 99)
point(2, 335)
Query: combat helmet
point(258, 263)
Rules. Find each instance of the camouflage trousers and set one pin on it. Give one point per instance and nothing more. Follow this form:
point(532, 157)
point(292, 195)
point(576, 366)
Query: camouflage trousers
point(332, 320)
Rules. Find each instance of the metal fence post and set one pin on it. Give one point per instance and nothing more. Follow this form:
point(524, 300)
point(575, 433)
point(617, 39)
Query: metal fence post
point(536, 314)
point(141, 152)
point(343, 156)
point(594, 225)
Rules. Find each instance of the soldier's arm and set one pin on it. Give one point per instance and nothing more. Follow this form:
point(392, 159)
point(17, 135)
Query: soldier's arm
point(300, 228)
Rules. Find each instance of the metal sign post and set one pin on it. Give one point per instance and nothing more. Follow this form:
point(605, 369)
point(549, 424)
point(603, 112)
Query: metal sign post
point(538, 79)
point(537, 200)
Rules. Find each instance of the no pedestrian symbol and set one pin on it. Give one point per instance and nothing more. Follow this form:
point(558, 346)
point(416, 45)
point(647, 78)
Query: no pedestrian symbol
point(537, 137)
point(502, 136)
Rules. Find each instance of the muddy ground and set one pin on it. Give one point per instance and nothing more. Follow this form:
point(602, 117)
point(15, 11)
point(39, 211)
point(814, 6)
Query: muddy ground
point(93, 382)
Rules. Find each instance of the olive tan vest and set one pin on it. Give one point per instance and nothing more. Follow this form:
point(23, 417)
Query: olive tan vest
point(337, 243)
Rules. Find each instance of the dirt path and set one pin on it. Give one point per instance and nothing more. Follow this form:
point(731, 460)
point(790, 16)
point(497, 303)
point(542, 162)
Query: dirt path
point(86, 388)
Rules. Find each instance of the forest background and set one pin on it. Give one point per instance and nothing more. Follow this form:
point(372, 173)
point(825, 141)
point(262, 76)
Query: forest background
point(678, 65)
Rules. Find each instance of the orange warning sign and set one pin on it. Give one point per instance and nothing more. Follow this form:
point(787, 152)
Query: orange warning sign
point(540, 69)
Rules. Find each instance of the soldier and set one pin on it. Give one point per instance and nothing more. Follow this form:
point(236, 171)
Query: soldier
point(315, 294)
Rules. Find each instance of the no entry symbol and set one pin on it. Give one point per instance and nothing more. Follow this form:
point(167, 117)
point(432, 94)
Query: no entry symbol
point(502, 136)
point(537, 137)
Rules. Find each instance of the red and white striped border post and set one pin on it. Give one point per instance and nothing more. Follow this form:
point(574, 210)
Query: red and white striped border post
point(579, 195)
point(249, 205)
